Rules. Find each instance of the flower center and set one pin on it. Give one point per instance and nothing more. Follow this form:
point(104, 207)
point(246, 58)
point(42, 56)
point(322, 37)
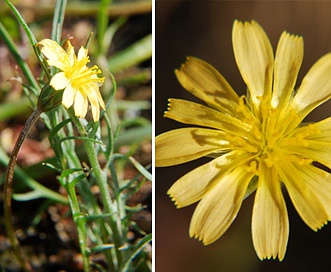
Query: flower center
point(80, 74)
point(277, 137)
point(271, 137)
point(265, 134)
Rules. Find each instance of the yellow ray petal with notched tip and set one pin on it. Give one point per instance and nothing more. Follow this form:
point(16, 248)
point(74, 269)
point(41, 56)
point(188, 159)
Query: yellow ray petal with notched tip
point(270, 226)
point(206, 83)
point(255, 60)
point(315, 88)
point(288, 61)
point(187, 144)
point(214, 214)
point(297, 179)
point(192, 187)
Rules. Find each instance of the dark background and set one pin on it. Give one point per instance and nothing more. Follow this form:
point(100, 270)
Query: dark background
point(203, 29)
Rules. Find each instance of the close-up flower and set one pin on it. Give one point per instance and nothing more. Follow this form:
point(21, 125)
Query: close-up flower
point(257, 143)
point(80, 82)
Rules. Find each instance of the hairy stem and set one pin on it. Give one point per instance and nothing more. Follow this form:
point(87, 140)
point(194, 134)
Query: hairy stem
point(8, 189)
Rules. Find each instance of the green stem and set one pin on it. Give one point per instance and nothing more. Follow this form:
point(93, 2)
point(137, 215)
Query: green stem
point(101, 178)
point(65, 153)
point(79, 219)
point(8, 189)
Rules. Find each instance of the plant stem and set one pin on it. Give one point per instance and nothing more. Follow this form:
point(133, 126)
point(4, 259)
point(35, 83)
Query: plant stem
point(106, 199)
point(8, 189)
point(101, 178)
point(80, 223)
point(65, 153)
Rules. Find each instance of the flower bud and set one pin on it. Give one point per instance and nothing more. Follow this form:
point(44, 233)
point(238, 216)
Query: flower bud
point(49, 98)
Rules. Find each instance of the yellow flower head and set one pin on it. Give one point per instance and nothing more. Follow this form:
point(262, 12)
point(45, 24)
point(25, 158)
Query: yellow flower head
point(80, 83)
point(258, 142)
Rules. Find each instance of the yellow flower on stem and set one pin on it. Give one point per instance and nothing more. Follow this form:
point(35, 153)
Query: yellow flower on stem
point(80, 83)
point(258, 142)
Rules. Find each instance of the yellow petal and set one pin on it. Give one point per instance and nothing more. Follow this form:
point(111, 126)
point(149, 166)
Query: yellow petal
point(319, 130)
point(219, 206)
point(51, 49)
point(55, 54)
point(315, 150)
point(288, 61)
point(304, 198)
point(95, 89)
point(68, 96)
point(191, 187)
point(101, 102)
point(59, 81)
point(315, 88)
point(82, 53)
point(71, 53)
point(311, 141)
point(192, 113)
point(95, 112)
point(93, 94)
point(254, 57)
point(93, 98)
point(206, 83)
point(187, 144)
point(80, 105)
point(90, 92)
point(270, 226)
point(319, 183)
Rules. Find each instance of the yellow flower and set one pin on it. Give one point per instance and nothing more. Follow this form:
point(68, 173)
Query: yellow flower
point(258, 142)
point(80, 83)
